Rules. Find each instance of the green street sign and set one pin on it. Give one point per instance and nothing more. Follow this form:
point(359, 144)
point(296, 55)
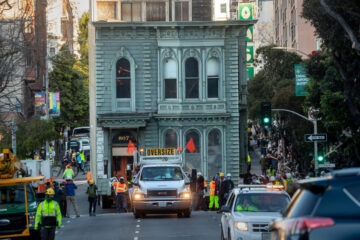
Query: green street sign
point(249, 54)
point(300, 81)
point(245, 11)
point(249, 72)
point(250, 34)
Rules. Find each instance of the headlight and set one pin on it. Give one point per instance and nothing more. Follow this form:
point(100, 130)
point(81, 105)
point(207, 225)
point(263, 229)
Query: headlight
point(186, 195)
point(242, 226)
point(138, 196)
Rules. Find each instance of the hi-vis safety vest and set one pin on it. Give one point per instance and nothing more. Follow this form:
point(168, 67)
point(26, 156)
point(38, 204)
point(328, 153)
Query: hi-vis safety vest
point(88, 176)
point(249, 159)
point(47, 209)
point(120, 187)
point(212, 188)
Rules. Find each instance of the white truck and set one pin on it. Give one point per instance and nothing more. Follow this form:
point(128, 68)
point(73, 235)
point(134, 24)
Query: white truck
point(161, 185)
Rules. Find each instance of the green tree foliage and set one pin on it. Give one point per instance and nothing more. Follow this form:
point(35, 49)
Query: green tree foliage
point(337, 23)
point(83, 37)
point(32, 135)
point(74, 92)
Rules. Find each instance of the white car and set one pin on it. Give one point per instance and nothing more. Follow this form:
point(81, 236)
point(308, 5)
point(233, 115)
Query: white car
point(249, 210)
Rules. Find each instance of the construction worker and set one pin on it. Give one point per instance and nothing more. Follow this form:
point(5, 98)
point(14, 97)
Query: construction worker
point(48, 215)
point(91, 191)
point(70, 197)
point(271, 171)
point(229, 183)
point(68, 172)
point(221, 188)
point(246, 206)
point(249, 162)
point(120, 191)
point(88, 176)
point(214, 199)
point(80, 163)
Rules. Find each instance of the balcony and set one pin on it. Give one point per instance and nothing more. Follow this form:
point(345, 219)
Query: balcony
point(193, 107)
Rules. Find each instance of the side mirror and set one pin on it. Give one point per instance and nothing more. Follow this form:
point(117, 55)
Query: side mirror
point(225, 209)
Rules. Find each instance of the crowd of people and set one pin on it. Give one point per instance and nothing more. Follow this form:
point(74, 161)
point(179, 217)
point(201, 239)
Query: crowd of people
point(74, 159)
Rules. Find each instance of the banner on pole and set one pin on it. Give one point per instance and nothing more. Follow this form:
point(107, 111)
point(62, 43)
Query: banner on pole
point(40, 104)
point(54, 104)
point(300, 81)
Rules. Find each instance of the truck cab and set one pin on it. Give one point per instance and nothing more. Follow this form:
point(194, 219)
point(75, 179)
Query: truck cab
point(161, 185)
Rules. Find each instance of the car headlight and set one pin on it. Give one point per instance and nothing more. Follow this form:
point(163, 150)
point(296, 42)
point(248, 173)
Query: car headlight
point(138, 196)
point(242, 226)
point(186, 195)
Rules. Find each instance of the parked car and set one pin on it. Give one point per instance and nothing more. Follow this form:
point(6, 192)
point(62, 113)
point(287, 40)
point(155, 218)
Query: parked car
point(323, 208)
point(250, 209)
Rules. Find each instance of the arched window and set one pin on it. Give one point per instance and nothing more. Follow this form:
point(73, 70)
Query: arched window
point(123, 79)
point(213, 73)
point(214, 152)
point(170, 79)
point(170, 139)
point(192, 150)
point(191, 78)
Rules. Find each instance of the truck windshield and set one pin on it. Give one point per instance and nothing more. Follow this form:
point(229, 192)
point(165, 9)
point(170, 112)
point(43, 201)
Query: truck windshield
point(15, 194)
point(161, 174)
point(259, 202)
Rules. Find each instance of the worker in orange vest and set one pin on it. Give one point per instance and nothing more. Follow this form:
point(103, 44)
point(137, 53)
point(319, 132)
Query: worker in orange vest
point(88, 176)
point(214, 199)
point(120, 192)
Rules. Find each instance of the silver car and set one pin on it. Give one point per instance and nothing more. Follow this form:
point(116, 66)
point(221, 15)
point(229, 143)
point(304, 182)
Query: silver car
point(249, 210)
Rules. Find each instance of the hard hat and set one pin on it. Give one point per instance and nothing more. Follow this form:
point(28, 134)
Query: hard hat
point(228, 175)
point(288, 175)
point(50, 191)
point(73, 154)
point(121, 177)
point(91, 181)
point(222, 174)
point(272, 178)
point(199, 174)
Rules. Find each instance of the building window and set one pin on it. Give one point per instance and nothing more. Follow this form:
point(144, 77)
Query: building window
point(106, 10)
point(170, 79)
point(191, 78)
point(123, 79)
point(131, 12)
point(192, 158)
point(223, 8)
point(28, 57)
point(155, 11)
point(52, 51)
point(181, 11)
point(213, 73)
point(170, 139)
point(214, 152)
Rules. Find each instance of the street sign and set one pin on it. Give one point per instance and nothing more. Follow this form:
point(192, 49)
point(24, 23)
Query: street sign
point(321, 137)
point(327, 165)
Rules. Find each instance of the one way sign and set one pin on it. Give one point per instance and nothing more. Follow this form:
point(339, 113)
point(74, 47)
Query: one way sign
point(322, 137)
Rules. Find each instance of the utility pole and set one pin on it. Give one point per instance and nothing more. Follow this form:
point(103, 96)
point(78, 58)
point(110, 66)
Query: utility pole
point(314, 122)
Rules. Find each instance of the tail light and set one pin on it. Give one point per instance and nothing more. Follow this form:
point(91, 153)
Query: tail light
point(301, 225)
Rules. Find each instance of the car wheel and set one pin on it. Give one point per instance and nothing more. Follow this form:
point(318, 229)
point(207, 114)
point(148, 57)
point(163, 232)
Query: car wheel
point(187, 213)
point(180, 214)
point(104, 202)
point(137, 214)
point(229, 235)
point(222, 233)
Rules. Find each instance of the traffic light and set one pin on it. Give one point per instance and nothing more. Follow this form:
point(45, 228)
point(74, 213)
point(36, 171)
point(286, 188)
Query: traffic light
point(320, 158)
point(266, 113)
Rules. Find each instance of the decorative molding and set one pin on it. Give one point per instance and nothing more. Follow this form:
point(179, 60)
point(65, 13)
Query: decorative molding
point(191, 52)
point(168, 53)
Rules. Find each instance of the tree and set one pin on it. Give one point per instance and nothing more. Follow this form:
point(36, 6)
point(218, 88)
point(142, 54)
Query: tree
point(83, 37)
point(71, 83)
point(337, 23)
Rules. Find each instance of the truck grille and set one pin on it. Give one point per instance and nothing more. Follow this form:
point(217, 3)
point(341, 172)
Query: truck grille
point(161, 193)
point(12, 223)
point(260, 227)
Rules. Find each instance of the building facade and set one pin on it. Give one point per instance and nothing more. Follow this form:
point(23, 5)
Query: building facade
point(162, 79)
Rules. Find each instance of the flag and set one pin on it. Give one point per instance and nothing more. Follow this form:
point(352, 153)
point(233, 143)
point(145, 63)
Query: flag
point(190, 146)
point(131, 148)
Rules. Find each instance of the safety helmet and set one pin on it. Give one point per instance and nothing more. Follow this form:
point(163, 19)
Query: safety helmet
point(228, 175)
point(50, 191)
point(222, 174)
point(121, 177)
point(199, 174)
point(272, 178)
point(91, 181)
point(73, 154)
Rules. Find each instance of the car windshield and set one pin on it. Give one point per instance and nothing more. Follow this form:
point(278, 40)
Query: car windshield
point(15, 194)
point(161, 174)
point(260, 202)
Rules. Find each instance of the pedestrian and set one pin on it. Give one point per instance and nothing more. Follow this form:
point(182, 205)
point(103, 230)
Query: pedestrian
point(214, 199)
point(271, 171)
point(222, 190)
point(229, 184)
point(70, 197)
point(92, 197)
point(263, 164)
point(48, 215)
point(79, 163)
point(249, 162)
point(69, 173)
point(83, 159)
point(120, 191)
point(63, 199)
point(58, 192)
point(200, 188)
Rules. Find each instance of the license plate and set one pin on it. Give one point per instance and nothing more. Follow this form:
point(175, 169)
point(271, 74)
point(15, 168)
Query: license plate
point(162, 204)
point(266, 236)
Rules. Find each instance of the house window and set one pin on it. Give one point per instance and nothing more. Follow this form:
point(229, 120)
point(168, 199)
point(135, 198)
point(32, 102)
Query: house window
point(170, 139)
point(155, 11)
point(131, 12)
point(123, 79)
point(106, 10)
point(181, 11)
point(223, 8)
point(214, 152)
point(52, 51)
point(193, 157)
point(213, 73)
point(170, 79)
point(191, 78)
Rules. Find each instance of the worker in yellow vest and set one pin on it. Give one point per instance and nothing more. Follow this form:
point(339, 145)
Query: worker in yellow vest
point(120, 192)
point(214, 199)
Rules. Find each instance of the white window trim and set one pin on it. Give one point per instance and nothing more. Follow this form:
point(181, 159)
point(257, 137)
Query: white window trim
point(217, 54)
point(192, 53)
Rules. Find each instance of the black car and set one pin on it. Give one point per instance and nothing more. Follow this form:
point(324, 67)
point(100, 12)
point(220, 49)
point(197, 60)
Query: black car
point(323, 208)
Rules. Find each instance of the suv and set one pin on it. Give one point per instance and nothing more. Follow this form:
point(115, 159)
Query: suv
point(323, 208)
point(249, 210)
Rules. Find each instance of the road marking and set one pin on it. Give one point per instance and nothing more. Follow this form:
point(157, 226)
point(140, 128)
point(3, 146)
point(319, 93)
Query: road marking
point(139, 220)
point(136, 232)
point(137, 226)
point(136, 238)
